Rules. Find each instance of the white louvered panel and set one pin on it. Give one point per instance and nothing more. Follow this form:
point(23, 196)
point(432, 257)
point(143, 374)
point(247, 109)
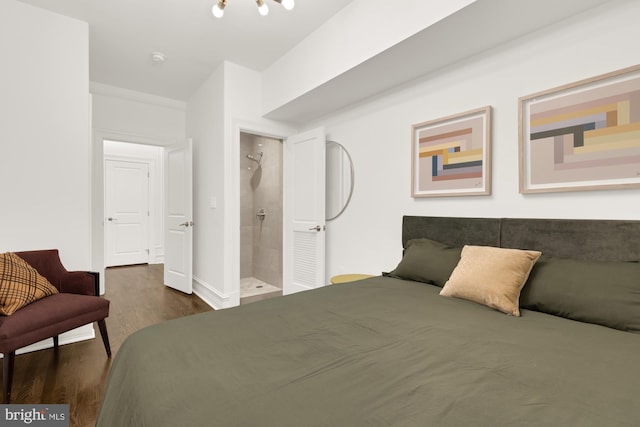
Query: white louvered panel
point(304, 255)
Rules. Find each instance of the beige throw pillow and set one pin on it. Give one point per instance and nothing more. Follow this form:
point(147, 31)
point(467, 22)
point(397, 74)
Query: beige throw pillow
point(20, 284)
point(491, 276)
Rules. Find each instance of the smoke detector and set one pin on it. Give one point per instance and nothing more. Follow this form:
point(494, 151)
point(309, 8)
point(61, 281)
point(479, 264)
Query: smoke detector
point(158, 57)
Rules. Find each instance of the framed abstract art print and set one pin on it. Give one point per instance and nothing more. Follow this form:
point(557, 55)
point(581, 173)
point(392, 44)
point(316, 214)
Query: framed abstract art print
point(451, 156)
point(582, 136)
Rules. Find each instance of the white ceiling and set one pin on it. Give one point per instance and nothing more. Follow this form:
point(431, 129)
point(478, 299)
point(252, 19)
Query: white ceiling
point(123, 33)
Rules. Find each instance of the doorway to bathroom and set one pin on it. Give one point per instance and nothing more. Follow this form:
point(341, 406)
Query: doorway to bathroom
point(261, 213)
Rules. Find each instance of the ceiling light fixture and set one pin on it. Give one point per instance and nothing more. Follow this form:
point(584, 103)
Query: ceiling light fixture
point(218, 8)
point(263, 9)
point(287, 4)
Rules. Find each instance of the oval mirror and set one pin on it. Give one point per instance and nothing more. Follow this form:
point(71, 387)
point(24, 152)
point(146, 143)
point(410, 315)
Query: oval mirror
point(340, 178)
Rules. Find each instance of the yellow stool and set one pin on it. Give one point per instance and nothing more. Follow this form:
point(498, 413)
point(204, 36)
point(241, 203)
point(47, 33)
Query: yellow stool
point(344, 278)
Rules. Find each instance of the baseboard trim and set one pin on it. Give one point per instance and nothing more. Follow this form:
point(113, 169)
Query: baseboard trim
point(212, 296)
point(83, 333)
point(295, 288)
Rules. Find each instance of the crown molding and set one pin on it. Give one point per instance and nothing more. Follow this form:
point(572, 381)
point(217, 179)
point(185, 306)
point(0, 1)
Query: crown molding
point(117, 92)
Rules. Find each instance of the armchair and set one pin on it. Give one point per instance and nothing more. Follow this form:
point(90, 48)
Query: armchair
point(76, 304)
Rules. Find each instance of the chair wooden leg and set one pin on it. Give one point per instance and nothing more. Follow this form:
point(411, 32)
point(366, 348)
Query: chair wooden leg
point(7, 375)
point(55, 342)
point(102, 325)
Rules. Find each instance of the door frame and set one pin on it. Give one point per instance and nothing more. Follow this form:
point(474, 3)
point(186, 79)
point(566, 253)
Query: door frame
point(98, 137)
point(232, 188)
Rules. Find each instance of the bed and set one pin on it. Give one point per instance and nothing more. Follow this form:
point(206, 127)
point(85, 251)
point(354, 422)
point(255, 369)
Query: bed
point(392, 351)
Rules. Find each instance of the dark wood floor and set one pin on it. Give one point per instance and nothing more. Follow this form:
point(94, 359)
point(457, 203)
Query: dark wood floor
point(76, 373)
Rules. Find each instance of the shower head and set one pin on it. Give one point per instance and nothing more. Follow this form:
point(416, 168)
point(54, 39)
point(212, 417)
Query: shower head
point(256, 157)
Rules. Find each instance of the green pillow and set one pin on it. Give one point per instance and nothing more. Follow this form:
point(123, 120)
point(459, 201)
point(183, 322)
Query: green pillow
point(427, 261)
point(605, 293)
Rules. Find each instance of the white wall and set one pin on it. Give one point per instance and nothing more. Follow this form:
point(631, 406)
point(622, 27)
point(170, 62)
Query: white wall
point(366, 238)
point(135, 115)
point(44, 133)
point(205, 125)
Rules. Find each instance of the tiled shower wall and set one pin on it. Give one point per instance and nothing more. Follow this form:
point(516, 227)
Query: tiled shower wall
point(261, 187)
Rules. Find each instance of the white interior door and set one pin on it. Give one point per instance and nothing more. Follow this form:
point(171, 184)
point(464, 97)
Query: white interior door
point(304, 212)
point(178, 217)
point(127, 213)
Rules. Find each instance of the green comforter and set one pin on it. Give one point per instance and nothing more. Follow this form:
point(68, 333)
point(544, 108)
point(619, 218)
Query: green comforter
point(378, 352)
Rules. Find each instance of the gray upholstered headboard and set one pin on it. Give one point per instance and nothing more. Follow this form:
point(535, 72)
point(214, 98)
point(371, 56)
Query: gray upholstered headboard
point(605, 240)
